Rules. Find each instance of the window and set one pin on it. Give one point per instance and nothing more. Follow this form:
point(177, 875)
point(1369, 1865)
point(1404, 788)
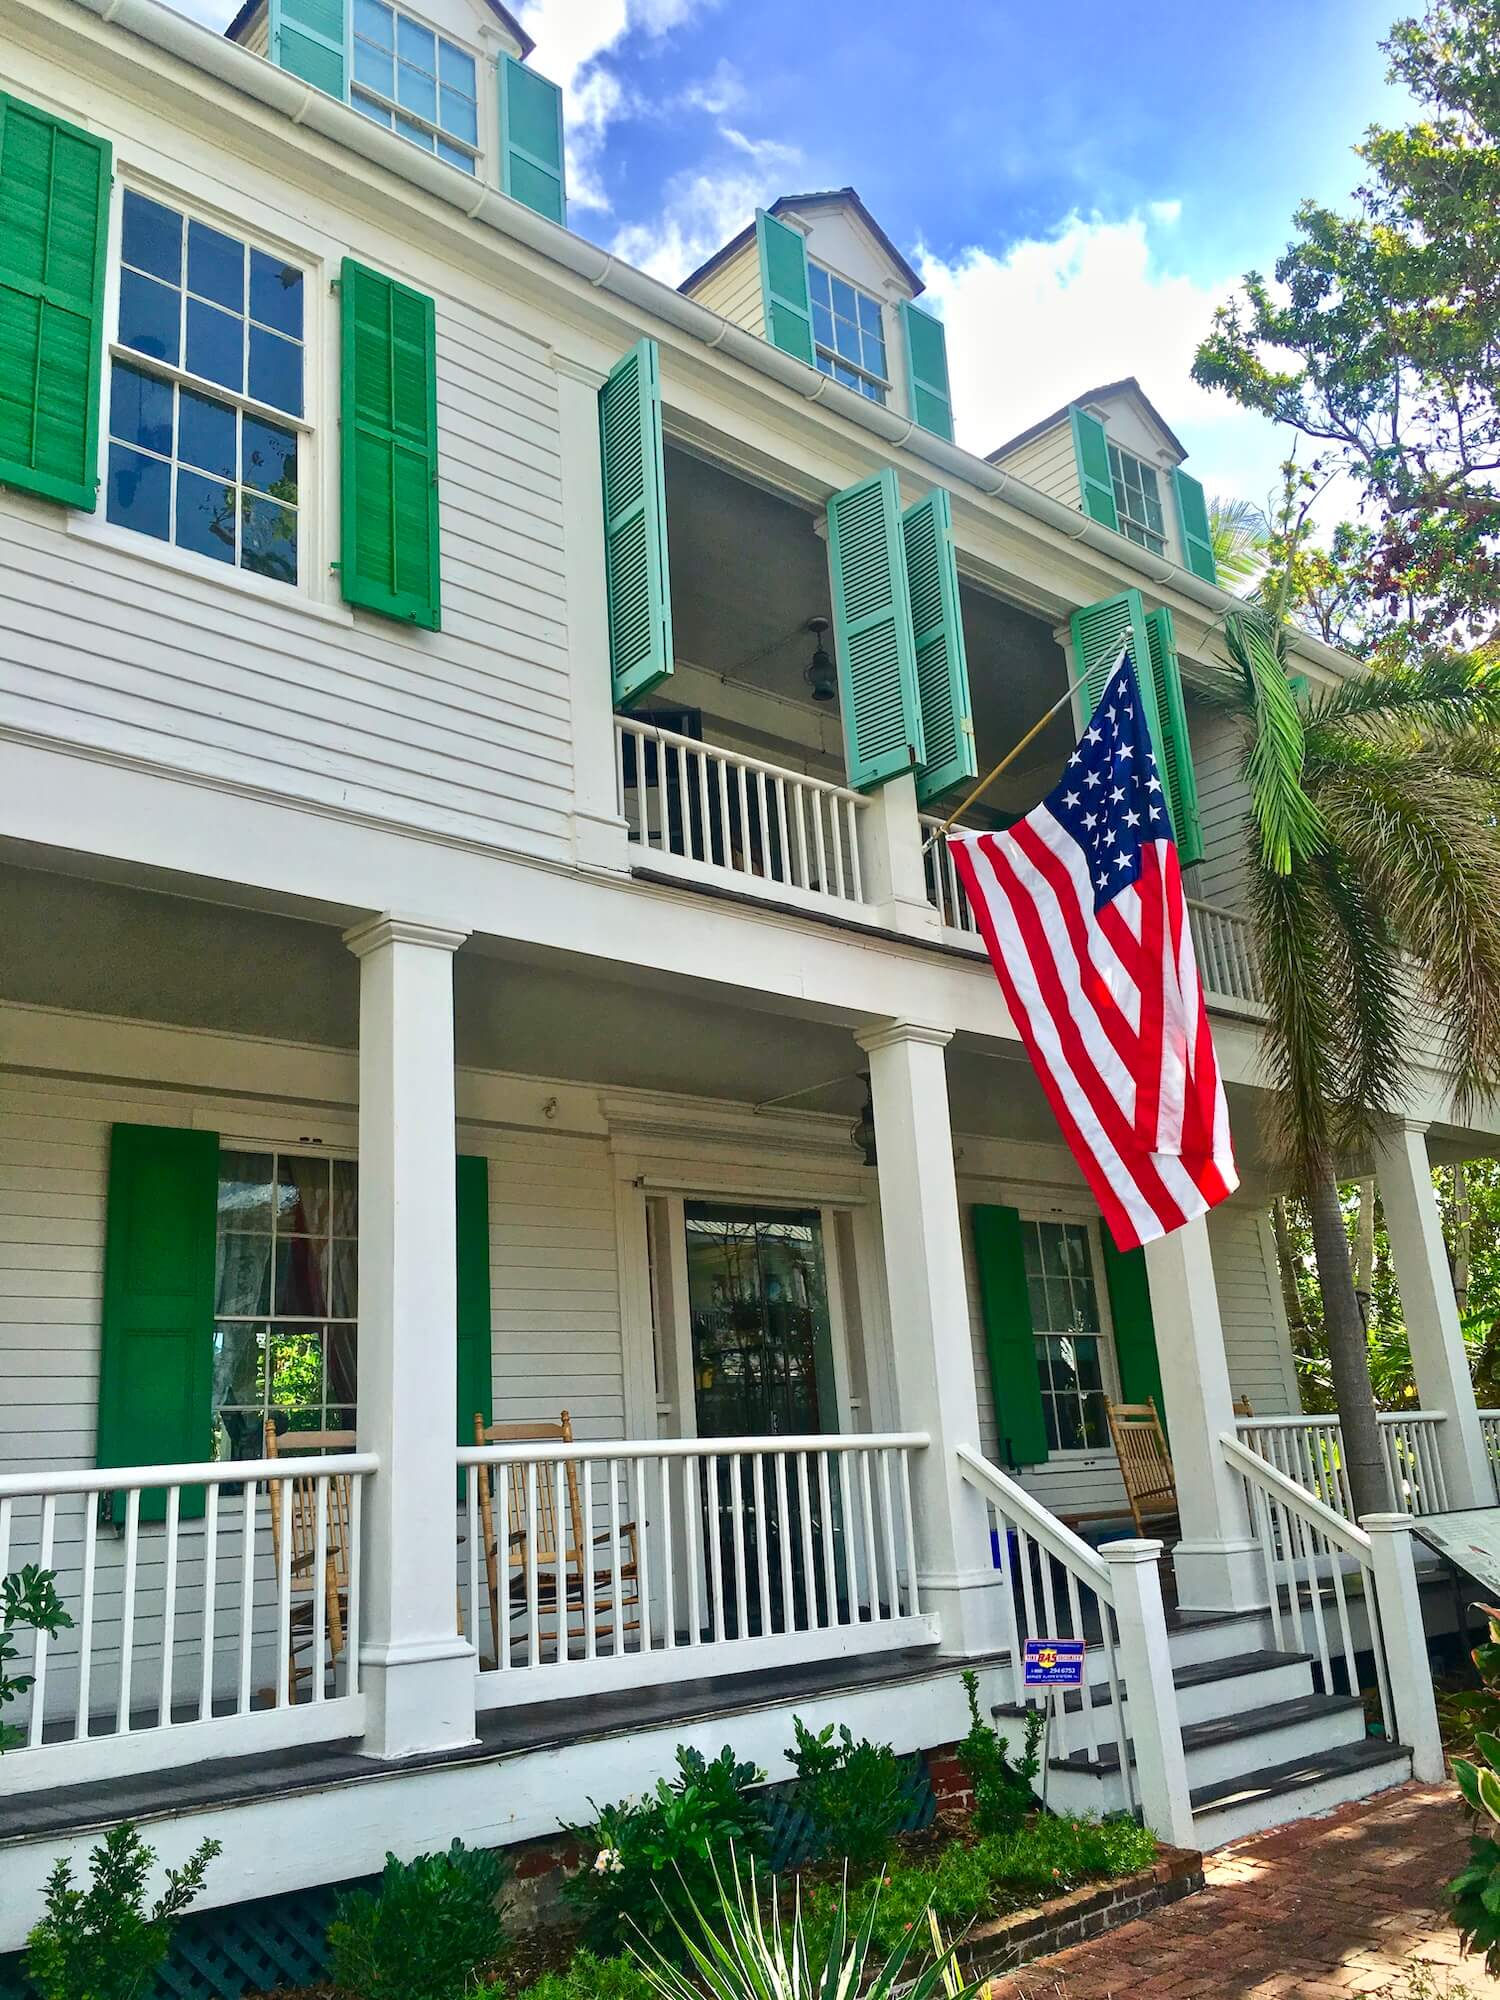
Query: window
point(1059, 1266)
point(287, 1297)
point(848, 333)
point(1137, 500)
point(213, 330)
point(416, 83)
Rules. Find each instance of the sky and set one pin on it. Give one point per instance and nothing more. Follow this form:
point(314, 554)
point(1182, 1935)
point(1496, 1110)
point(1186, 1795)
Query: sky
point(1078, 186)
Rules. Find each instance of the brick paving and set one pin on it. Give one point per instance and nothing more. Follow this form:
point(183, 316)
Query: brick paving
point(1347, 1907)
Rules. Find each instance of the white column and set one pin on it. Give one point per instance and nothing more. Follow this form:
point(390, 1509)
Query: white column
point(599, 830)
point(1145, 1658)
point(1399, 1603)
point(1438, 1356)
point(1215, 1562)
point(934, 1355)
point(891, 865)
point(417, 1672)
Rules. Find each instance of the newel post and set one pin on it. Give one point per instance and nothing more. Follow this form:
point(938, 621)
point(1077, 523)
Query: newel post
point(1398, 1605)
point(1151, 1696)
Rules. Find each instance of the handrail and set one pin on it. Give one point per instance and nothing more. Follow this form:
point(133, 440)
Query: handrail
point(553, 1452)
point(1308, 1417)
point(638, 726)
point(217, 1472)
point(1055, 1536)
point(1348, 1534)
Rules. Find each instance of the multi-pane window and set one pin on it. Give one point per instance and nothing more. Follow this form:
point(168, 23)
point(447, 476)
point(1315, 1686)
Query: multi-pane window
point(848, 333)
point(1069, 1339)
point(287, 1297)
point(214, 333)
point(1137, 500)
point(416, 83)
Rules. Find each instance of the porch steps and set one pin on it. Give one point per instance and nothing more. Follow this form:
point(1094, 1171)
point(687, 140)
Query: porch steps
point(1234, 1807)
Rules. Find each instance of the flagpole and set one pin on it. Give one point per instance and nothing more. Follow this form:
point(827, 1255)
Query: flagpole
point(1009, 758)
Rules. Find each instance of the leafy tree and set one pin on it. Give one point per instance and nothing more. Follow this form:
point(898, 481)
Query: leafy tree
point(1379, 340)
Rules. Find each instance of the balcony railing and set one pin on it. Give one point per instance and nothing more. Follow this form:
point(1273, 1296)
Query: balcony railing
point(1310, 1452)
point(713, 815)
point(1224, 944)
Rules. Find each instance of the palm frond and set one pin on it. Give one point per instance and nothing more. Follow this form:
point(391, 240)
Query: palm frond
point(1301, 1042)
point(1449, 696)
point(1367, 987)
point(1286, 820)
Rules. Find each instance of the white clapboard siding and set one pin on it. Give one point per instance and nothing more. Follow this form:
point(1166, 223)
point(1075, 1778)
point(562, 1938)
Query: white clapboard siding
point(1047, 463)
point(734, 290)
point(1255, 1331)
point(1218, 757)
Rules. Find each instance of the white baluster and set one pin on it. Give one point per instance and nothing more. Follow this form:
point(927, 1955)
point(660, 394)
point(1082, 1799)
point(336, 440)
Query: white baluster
point(716, 1546)
point(86, 1619)
point(783, 1536)
point(284, 1685)
point(210, 1590)
point(169, 1605)
point(762, 1554)
point(247, 1591)
point(40, 1637)
point(127, 1607)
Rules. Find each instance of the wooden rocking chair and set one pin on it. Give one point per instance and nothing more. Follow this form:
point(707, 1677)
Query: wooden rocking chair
point(546, 1551)
point(1145, 1463)
point(298, 1498)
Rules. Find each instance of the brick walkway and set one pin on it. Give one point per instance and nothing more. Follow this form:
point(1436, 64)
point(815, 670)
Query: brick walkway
point(1342, 1908)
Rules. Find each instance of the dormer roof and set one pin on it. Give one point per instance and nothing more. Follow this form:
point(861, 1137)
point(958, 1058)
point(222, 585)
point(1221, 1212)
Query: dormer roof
point(1105, 393)
point(236, 29)
point(844, 197)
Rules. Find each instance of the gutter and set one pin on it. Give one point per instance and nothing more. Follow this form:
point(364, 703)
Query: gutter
point(256, 77)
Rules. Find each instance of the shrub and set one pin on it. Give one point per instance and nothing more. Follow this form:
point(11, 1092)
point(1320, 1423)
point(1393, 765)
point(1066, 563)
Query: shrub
point(425, 1932)
point(27, 1597)
point(105, 1942)
point(588, 1977)
point(1002, 1790)
point(855, 1793)
point(653, 1858)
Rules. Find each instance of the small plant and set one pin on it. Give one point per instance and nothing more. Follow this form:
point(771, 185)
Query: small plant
point(855, 1793)
point(27, 1597)
point(588, 1977)
point(425, 1932)
point(105, 1942)
point(1475, 1891)
point(1002, 1790)
point(651, 1858)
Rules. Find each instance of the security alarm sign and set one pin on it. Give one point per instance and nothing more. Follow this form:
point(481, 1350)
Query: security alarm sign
point(1055, 1663)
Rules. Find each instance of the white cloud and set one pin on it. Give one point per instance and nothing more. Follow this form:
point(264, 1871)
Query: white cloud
point(697, 213)
point(720, 91)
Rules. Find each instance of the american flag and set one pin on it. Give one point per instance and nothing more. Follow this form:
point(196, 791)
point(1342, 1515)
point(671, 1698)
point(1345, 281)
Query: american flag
point(1081, 906)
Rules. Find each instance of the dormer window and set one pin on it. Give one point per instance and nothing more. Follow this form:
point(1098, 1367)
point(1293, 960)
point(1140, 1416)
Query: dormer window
point(415, 82)
point(1137, 501)
point(848, 333)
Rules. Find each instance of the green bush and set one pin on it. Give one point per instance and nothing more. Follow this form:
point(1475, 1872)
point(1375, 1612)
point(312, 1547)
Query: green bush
point(647, 1860)
point(104, 1942)
point(854, 1793)
point(27, 1597)
point(425, 1932)
point(588, 1977)
point(1002, 1790)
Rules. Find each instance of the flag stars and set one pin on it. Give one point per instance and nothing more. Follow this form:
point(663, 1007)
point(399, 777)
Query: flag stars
point(1093, 736)
point(1093, 778)
point(1122, 860)
point(1070, 800)
point(1126, 750)
point(1153, 784)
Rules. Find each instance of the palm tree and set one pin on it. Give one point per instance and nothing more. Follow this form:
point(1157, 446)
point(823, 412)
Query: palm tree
point(1373, 841)
point(1240, 537)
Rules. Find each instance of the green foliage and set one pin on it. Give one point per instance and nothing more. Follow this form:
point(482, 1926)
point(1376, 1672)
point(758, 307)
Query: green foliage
point(424, 1933)
point(27, 1597)
point(651, 1859)
point(1002, 1790)
point(855, 1793)
point(106, 1942)
point(588, 1977)
point(1475, 1891)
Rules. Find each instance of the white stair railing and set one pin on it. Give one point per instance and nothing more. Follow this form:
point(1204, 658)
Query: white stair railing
point(1056, 1586)
point(1310, 1451)
point(1320, 1570)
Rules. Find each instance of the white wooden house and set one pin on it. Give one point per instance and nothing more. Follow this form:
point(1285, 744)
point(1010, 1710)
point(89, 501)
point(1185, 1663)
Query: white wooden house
point(470, 718)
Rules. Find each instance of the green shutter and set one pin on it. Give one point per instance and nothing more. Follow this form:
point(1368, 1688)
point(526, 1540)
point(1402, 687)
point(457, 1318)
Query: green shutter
point(309, 38)
point(532, 167)
point(636, 571)
point(1135, 1330)
point(927, 370)
point(1192, 519)
point(54, 224)
point(1174, 754)
point(783, 284)
point(157, 1324)
point(475, 1369)
point(938, 638)
point(872, 632)
point(1099, 631)
point(1005, 1307)
point(1091, 449)
point(389, 448)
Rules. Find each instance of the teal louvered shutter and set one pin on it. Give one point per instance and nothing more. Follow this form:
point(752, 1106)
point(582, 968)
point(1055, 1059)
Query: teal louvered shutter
point(1174, 753)
point(389, 448)
point(1136, 1358)
point(1005, 1307)
point(1192, 520)
point(156, 1336)
point(926, 342)
point(637, 576)
point(1099, 631)
point(1091, 450)
point(54, 224)
point(872, 631)
point(938, 641)
point(783, 283)
point(532, 164)
point(309, 38)
point(476, 1390)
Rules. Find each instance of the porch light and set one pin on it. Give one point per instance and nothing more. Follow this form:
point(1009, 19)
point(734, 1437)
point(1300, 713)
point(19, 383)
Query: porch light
point(862, 1131)
point(819, 672)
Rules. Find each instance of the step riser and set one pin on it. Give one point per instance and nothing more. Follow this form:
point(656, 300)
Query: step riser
point(1220, 1824)
point(1210, 1762)
point(1209, 1700)
point(1248, 1634)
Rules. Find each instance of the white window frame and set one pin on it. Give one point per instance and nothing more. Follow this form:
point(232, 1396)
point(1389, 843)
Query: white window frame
point(1144, 535)
point(316, 528)
point(881, 382)
point(353, 89)
point(1088, 1454)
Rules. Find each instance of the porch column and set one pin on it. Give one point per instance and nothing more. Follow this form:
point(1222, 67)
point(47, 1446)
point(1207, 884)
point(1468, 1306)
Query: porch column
point(1216, 1562)
point(894, 875)
point(1438, 1356)
point(934, 1357)
point(416, 1672)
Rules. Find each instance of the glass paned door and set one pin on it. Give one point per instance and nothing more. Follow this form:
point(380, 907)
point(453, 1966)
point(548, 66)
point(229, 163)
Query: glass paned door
point(762, 1367)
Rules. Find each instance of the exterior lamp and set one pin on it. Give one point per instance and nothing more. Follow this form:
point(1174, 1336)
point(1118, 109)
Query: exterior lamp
point(862, 1131)
point(819, 673)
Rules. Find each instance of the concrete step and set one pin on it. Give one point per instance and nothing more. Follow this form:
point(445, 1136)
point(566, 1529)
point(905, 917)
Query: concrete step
point(1230, 1808)
point(1195, 1636)
point(1221, 1749)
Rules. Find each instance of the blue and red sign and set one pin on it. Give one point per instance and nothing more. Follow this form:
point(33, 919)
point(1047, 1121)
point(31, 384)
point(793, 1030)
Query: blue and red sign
point(1053, 1663)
